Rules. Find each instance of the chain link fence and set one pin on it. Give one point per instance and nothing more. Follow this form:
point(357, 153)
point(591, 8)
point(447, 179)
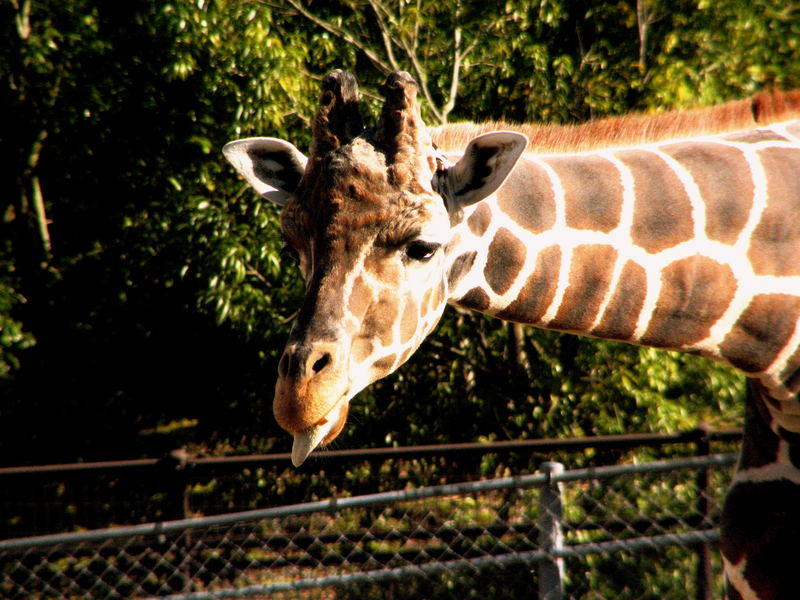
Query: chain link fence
point(44, 499)
point(629, 531)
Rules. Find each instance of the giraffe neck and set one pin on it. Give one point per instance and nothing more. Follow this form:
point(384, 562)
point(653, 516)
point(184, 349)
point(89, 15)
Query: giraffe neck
point(691, 245)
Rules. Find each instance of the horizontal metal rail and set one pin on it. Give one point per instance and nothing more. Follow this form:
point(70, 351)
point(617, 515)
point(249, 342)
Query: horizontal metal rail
point(402, 452)
point(337, 504)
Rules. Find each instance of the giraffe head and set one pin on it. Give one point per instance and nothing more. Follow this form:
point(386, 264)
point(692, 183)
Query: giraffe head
point(371, 215)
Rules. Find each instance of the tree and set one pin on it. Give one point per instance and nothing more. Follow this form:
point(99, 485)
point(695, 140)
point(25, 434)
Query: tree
point(142, 288)
point(121, 149)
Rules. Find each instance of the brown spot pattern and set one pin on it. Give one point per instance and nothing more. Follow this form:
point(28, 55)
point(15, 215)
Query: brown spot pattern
point(361, 349)
point(775, 244)
point(527, 197)
point(755, 136)
point(662, 209)
point(794, 129)
point(592, 192)
point(589, 277)
point(409, 322)
point(436, 299)
point(461, 266)
point(475, 299)
point(725, 182)
point(360, 297)
point(380, 319)
point(505, 260)
point(791, 374)
point(622, 313)
point(538, 292)
point(761, 332)
point(385, 363)
point(426, 298)
point(695, 293)
point(479, 219)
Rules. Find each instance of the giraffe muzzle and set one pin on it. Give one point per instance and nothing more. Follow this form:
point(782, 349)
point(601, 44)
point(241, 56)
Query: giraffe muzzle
point(311, 389)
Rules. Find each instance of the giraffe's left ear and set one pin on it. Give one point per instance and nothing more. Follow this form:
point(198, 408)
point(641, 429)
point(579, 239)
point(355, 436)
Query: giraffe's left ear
point(486, 163)
point(272, 166)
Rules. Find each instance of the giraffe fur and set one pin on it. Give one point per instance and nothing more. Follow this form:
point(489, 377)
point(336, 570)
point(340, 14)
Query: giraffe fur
point(669, 239)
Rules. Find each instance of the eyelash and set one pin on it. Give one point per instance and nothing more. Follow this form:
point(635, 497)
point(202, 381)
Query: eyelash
point(421, 251)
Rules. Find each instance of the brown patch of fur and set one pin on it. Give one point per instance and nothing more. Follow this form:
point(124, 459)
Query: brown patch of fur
point(476, 299)
point(695, 293)
point(761, 332)
point(633, 129)
point(593, 192)
point(775, 244)
point(589, 278)
point(346, 197)
point(620, 316)
point(505, 261)
point(536, 215)
point(538, 291)
point(716, 169)
point(480, 220)
point(661, 205)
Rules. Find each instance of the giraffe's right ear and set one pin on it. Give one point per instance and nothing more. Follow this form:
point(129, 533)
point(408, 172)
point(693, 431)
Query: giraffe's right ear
point(272, 166)
point(486, 163)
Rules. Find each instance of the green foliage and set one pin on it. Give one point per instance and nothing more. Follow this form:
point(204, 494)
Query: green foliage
point(716, 51)
point(13, 337)
point(120, 112)
point(150, 289)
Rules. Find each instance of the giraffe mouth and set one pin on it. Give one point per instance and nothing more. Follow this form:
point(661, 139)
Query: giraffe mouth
point(322, 433)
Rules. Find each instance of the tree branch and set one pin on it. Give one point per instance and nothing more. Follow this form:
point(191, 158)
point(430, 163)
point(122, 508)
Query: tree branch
point(458, 58)
point(36, 195)
point(23, 19)
point(392, 37)
point(387, 41)
point(409, 49)
point(423, 82)
point(642, 22)
point(330, 28)
point(646, 15)
point(41, 218)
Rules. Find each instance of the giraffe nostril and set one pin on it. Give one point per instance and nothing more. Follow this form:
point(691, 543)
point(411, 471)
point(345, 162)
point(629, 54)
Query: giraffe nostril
point(321, 363)
point(300, 362)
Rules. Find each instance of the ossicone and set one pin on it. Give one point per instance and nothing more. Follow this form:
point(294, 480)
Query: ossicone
point(339, 118)
point(401, 131)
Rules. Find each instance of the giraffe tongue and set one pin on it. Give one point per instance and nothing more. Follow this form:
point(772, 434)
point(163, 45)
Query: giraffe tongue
point(305, 441)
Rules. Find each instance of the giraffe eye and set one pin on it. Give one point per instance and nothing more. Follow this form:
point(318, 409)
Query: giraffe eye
point(421, 251)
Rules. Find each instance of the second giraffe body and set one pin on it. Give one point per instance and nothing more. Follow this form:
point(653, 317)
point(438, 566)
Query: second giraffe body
point(692, 245)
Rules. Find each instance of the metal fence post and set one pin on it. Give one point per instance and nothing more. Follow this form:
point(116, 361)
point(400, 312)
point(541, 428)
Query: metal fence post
point(175, 467)
point(551, 534)
point(705, 570)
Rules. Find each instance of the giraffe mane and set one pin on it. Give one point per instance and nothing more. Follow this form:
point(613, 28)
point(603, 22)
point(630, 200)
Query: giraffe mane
point(636, 128)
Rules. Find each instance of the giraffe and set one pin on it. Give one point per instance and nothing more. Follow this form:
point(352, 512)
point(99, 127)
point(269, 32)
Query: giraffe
point(690, 244)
